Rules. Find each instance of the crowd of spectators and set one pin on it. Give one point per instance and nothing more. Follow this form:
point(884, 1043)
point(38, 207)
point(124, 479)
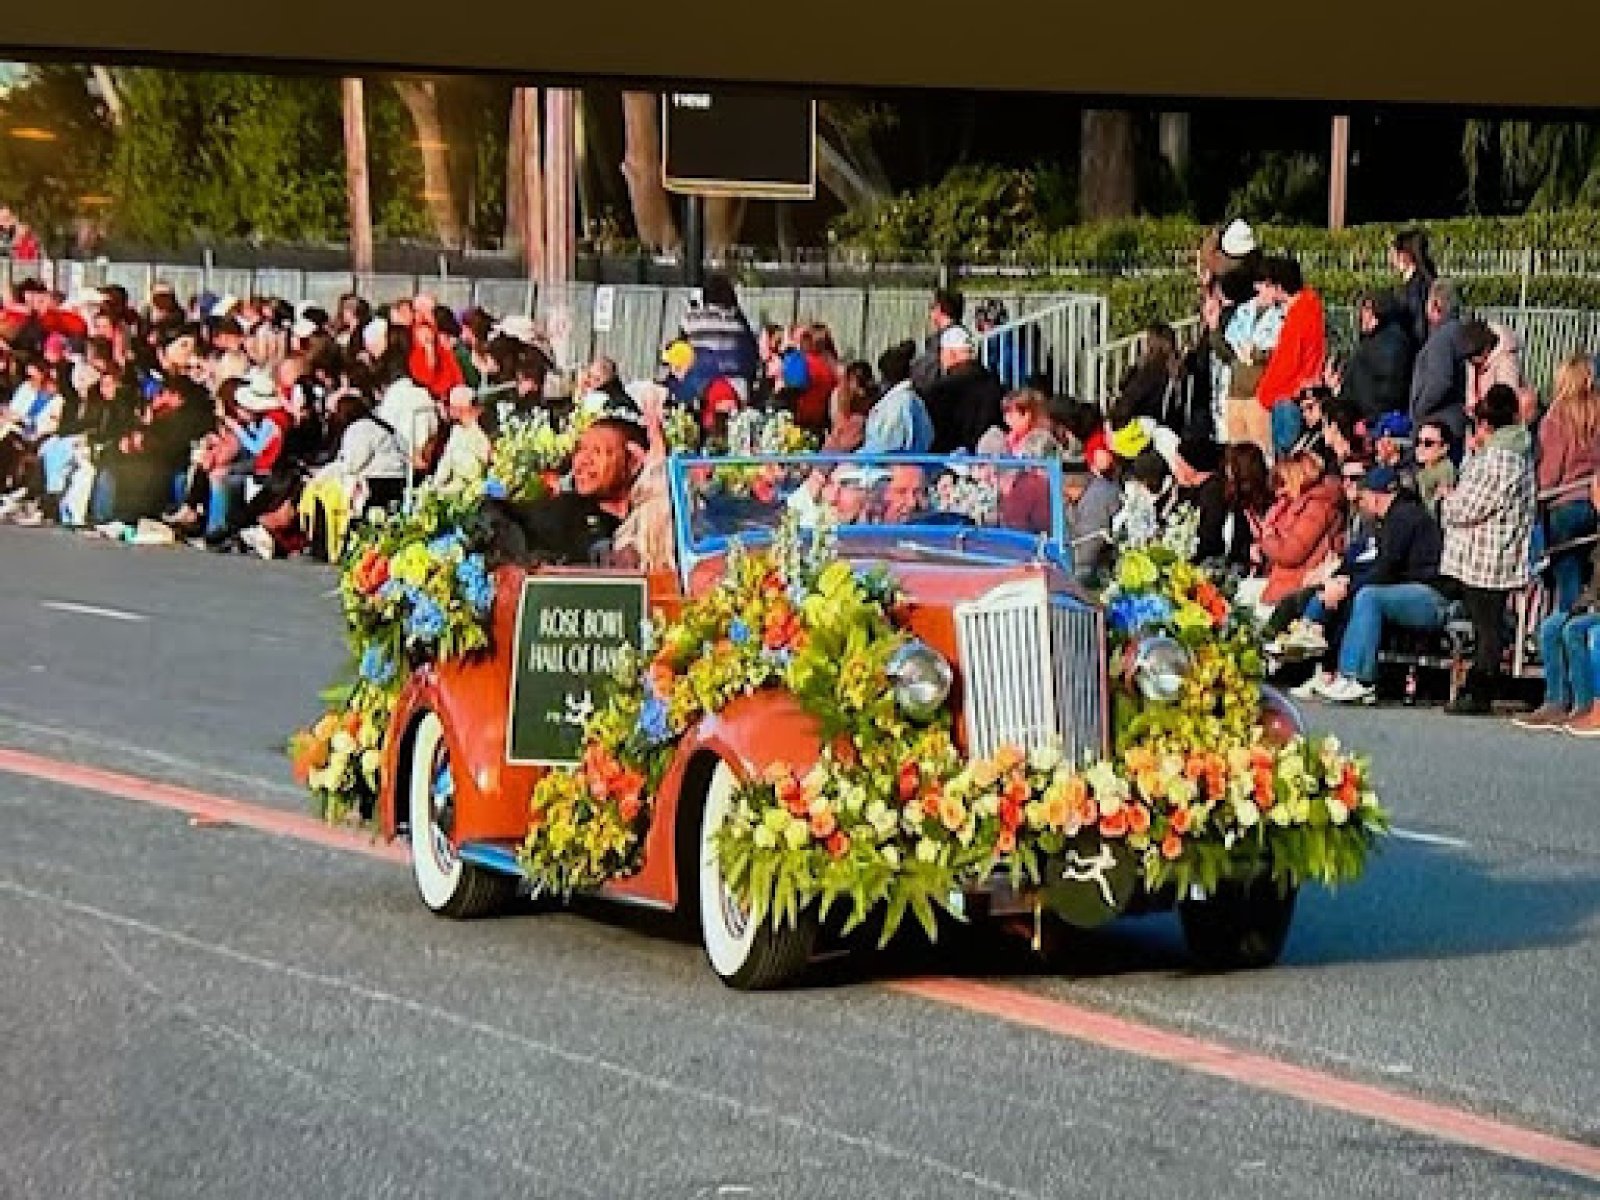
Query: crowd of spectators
point(1349, 498)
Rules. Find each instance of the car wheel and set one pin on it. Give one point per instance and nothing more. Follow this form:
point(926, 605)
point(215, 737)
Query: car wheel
point(449, 887)
point(745, 954)
point(1240, 927)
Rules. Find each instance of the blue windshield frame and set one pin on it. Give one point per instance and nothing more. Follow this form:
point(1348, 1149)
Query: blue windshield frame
point(1011, 545)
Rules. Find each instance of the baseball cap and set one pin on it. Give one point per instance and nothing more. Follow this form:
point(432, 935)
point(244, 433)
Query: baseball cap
point(1381, 480)
point(1238, 240)
point(955, 337)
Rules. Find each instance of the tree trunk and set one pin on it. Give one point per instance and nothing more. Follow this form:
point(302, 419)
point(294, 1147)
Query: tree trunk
point(421, 99)
point(641, 167)
point(724, 221)
point(533, 182)
point(354, 103)
point(560, 192)
point(1174, 139)
point(1106, 180)
point(516, 177)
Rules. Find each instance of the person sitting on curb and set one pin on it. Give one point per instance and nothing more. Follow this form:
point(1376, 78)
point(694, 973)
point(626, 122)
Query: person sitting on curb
point(1401, 589)
point(1569, 645)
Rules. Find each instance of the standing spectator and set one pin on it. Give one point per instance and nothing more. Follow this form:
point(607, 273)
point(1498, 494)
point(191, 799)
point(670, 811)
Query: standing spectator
point(1409, 256)
point(810, 373)
point(944, 314)
point(898, 422)
point(1439, 383)
point(1500, 363)
point(1377, 379)
point(1023, 412)
point(1241, 345)
point(432, 363)
point(1569, 643)
point(1436, 472)
point(966, 400)
point(1569, 452)
point(1488, 524)
point(719, 331)
point(1301, 353)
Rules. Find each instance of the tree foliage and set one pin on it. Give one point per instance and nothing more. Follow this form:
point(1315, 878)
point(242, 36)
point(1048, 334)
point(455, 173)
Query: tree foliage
point(50, 183)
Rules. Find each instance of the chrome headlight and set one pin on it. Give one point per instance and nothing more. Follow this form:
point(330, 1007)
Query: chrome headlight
point(921, 680)
point(1160, 666)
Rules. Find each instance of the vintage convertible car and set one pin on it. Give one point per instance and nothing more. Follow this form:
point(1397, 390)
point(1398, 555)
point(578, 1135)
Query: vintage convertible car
point(979, 546)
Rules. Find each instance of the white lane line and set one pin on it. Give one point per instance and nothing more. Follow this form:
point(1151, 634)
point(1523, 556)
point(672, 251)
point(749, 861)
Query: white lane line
point(91, 610)
point(1429, 839)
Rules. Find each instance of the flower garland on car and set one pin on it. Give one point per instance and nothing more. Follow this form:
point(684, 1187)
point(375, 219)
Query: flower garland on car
point(412, 586)
point(890, 818)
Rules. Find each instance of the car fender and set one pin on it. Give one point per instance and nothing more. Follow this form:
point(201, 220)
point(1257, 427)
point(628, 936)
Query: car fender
point(491, 802)
point(751, 734)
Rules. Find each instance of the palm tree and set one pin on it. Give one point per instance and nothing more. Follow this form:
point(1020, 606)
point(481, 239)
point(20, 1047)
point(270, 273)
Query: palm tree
point(1542, 166)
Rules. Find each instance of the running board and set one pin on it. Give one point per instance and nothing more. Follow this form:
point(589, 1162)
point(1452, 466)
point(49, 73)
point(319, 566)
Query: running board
point(501, 858)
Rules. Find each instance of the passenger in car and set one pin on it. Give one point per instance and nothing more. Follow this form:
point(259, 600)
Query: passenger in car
point(571, 527)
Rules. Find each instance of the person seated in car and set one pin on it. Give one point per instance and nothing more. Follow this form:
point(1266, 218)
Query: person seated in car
point(571, 527)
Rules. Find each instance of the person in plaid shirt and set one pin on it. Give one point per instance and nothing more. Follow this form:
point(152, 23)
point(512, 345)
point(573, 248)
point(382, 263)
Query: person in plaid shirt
point(1487, 520)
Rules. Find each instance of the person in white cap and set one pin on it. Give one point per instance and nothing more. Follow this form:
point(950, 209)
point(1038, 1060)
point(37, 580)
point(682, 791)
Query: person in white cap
point(967, 398)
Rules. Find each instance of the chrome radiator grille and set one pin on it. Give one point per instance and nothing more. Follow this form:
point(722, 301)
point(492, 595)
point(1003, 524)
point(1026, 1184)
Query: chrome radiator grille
point(1033, 672)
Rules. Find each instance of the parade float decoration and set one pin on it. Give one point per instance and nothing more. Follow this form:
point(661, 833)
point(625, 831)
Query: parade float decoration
point(891, 819)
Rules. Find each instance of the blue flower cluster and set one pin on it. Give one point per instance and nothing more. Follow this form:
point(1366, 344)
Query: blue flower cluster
point(445, 543)
point(738, 632)
point(391, 591)
point(653, 723)
point(494, 488)
point(476, 584)
point(1129, 613)
point(426, 621)
point(376, 667)
point(783, 657)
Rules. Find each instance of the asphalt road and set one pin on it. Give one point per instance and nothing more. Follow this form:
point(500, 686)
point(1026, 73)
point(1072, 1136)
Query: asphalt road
point(209, 1012)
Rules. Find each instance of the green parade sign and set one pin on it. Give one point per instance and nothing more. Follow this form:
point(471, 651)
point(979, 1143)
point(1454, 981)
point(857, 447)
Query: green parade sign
point(570, 633)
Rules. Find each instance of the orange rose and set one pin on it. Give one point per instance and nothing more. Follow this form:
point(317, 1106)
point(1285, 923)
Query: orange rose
point(844, 750)
point(823, 825)
point(1182, 821)
point(628, 808)
point(1006, 843)
point(839, 845)
point(1116, 825)
point(1138, 819)
point(908, 782)
point(1263, 786)
point(952, 812)
point(1171, 847)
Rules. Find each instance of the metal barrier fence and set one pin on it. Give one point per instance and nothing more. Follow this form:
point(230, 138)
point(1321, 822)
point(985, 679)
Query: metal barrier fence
point(1057, 343)
point(1547, 337)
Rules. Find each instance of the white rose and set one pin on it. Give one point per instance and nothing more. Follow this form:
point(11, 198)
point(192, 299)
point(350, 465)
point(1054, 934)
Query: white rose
point(891, 856)
point(765, 838)
point(1337, 811)
point(1246, 813)
point(343, 743)
point(927, 851)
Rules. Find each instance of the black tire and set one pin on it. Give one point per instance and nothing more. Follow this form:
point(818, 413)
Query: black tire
point(746, 957)
point(1242, 927)
point(449, 887)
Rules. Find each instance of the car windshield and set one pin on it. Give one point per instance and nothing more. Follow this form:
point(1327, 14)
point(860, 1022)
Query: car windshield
point(1009, 507)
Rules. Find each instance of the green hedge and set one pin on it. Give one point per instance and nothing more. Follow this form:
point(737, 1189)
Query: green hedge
point(980, 215)
point(1135, 301)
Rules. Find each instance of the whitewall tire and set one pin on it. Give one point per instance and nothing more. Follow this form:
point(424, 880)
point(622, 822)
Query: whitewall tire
point(449, 887)
point(744, 954)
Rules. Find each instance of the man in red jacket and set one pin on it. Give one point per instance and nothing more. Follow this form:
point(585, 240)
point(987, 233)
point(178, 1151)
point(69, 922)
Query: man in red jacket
point(1301, 354)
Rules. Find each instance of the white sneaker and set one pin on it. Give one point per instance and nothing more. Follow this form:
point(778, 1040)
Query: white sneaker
point(1344, 690)
point(1311, 689)
point(114, 530)
point(259, 541)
